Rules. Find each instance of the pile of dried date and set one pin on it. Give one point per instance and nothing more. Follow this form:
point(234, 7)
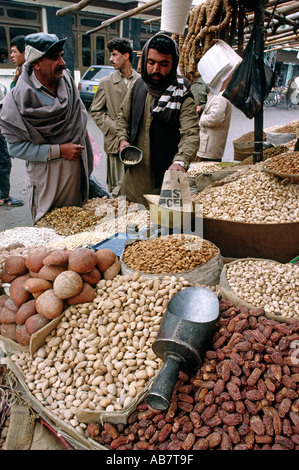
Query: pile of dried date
point(244, 397)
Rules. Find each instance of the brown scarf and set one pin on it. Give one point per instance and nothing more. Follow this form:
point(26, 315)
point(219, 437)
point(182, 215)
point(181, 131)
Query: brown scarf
point(25, 118)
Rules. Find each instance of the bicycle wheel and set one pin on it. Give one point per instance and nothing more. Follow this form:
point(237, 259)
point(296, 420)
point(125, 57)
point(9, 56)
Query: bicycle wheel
point(272, 99)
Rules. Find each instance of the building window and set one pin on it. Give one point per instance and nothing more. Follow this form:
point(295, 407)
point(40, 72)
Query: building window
point(92, 49)
point(100, 50)
point(13, 32)
point(3, 46)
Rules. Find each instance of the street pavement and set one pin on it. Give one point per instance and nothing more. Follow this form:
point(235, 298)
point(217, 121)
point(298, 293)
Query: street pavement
point(240, 124)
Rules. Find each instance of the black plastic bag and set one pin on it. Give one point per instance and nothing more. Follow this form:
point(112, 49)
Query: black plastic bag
point(96, 189)
point(251, 82)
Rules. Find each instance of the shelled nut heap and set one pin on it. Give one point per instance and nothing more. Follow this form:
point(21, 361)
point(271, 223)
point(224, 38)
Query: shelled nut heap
point(267, 284)
point(287, 163)
point(173, 253)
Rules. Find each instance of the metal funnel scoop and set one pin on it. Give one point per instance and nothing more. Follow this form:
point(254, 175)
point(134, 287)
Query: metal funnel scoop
point(184, 336)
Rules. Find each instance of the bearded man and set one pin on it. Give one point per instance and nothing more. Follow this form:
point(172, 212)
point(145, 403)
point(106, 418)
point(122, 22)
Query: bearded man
point(45, 123)
point(159, 117)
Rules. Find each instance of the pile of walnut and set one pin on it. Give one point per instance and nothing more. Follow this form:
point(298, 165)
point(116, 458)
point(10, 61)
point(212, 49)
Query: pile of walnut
point(45, 282)
point(73, 220)
point(245, 395)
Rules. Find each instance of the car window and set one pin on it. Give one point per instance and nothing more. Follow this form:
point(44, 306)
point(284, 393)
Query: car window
point(96, 73)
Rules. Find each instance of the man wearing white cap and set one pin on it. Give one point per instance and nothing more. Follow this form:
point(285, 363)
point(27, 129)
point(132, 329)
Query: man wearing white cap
point(45, 124)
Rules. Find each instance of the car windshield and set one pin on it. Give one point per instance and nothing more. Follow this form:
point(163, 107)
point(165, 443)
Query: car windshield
point(96, 73)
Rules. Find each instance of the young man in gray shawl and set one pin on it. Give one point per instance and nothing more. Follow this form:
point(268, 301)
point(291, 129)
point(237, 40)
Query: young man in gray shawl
point(45, 123)
point(159, 116)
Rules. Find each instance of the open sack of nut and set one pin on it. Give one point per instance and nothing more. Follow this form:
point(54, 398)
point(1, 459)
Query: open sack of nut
point(195, 259)
point(97, 363)
point(263, 283)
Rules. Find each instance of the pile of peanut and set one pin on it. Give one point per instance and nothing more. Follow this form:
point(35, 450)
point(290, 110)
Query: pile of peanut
point(99, 356)
point(244, 397)
point(289, 128)
point(256, 198)
point(287, 163)
point(165, 254)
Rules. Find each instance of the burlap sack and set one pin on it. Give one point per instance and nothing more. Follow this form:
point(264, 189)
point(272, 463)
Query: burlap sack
point(175, 191)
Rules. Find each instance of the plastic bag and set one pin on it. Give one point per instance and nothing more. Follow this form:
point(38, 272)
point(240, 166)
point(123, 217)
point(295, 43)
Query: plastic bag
point(251, 82)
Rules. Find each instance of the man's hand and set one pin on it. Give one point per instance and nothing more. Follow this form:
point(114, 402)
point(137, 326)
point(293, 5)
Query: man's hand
point(71, 151)
point(123, 144)
point(198, 109)
point(176, 167)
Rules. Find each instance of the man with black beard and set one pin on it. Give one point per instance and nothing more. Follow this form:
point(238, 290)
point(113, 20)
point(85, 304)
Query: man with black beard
point(45, 123)
point(158, 116)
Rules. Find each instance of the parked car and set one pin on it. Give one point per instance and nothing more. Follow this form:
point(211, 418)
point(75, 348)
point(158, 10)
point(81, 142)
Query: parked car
point(88, 84)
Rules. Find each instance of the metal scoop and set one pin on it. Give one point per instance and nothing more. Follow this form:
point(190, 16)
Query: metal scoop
point(185, 334)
